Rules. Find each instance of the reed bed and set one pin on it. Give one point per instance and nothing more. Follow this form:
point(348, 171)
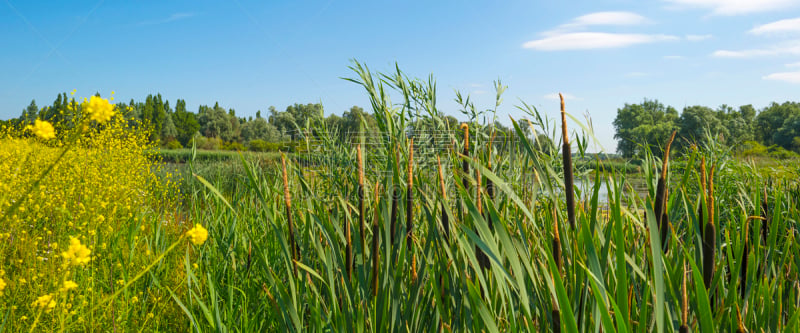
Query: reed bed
point(624, 263)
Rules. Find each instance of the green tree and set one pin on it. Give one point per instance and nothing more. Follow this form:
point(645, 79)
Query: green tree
point(185, 122)
point(696, 122)
point(771, 119)
point(215, 123)
point(30, 113)
point(168, 132)
point(259, 129)
point(649, 122)
point(790, 130)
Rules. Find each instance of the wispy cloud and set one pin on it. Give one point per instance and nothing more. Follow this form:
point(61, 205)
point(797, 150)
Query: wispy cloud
point(791, 77)
point(736, 7)
point(573, 35)
point(599, 18)
point(777, 27)
point(172, 18)
point(794, 64)
point(673, 57)
point(697, 38)
point(593, 40)
point(785, 48)
point(566, 96)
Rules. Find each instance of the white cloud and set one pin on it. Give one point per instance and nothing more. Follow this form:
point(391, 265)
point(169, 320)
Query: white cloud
point(566, 96)
point(736, 7)
point(782, 26)
point(795, 64)
point(599, 18)
point(673, 57)
point(791, 77)
point(790, 47)
point(593, 40)
point(697, 38)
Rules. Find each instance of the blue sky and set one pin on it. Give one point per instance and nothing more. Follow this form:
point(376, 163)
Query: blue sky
point(249, 55)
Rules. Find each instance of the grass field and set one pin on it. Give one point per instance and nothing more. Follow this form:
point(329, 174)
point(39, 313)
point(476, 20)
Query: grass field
point(98, 234)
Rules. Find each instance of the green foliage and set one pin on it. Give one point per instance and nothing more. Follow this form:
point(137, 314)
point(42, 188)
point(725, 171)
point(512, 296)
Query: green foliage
point(648, 123)
point(233, 145)
point(173, 144)
point(615, 276)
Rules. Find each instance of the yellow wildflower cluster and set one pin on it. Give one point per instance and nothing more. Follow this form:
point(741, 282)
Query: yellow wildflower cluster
point(68, 285)
point(105, 184)
point(47, 302)
point(42, 129)
point(77, 253)
point(98, 109)
point(198, 234)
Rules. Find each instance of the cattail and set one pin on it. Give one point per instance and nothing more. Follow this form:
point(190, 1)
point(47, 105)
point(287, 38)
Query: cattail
point(684, 303)
point(567, 160)
point(556, 242)
point(490, 185)
point(395, 202)
point(660, 205)
point(556, 318)
point(483, 259)
point(294, 248)
point(375, 241)
point(410, 209)
point(445, 217)
point(765, 218)
point(464, 163)
point(361, 203)
point(710, 233)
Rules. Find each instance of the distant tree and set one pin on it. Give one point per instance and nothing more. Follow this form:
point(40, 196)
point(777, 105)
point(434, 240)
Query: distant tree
point(215, 123)
point(169, 132)
point(648, 122)
point(283, 121)
point(236, 131)
point(259, 129)
point(786, 136)
point(696, 122)
point(30, 113)
point(771, 119)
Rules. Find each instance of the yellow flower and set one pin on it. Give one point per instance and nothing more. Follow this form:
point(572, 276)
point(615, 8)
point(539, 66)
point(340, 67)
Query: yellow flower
point(42, 129)
point(2, 285)
point(45, 301)
point(68, 285)
point(77, 253)
point(99, 109)
point(198, 234)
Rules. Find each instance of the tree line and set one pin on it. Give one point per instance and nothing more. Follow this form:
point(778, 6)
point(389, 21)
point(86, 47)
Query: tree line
point(216, 127)
point(649, 123)
point(637, 126)
point(211, 127)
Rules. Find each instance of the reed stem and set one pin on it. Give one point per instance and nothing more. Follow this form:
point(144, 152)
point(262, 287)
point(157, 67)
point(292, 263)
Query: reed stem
point(293, 247)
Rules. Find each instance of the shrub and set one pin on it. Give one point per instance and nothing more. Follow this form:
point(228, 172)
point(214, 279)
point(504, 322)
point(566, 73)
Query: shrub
point(233, 145)
point(207, 143)
point(173, 144)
